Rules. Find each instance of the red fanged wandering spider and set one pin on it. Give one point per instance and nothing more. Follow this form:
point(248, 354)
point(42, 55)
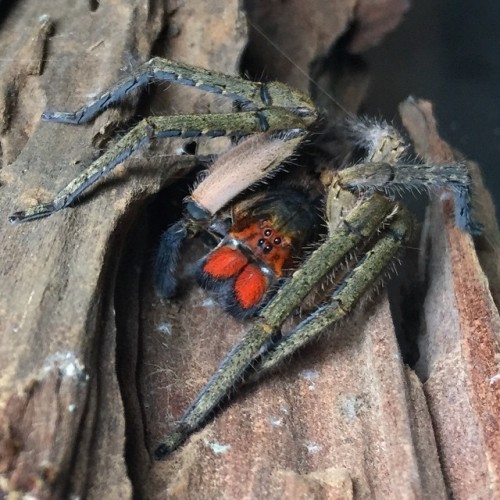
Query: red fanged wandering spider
point(256, 268)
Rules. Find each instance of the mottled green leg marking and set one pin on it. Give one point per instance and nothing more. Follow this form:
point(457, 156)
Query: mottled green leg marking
point(344, 299)
point(183, 126)
point(248, 95)
point(360, 224)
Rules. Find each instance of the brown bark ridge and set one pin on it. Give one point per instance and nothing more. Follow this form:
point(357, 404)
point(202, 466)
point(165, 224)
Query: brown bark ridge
point(90, 356)
point(460, 346)
point(61, 417)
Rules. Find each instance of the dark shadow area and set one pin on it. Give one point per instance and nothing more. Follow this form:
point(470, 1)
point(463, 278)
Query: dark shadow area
point(133, 288)
point(6, 6)
point(446, 52)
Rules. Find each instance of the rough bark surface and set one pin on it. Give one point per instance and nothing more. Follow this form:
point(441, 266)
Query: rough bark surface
point(90, 356)
point(62, 422)
point(460, 346)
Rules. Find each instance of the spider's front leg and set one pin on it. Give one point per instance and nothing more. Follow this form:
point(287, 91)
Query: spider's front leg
point(247, 95)
point(359, 225)
point(385, 169)
point(265, 107)
point(181, 126)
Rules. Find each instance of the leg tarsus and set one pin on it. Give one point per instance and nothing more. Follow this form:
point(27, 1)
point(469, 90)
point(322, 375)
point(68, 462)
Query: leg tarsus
point(103, 101)
point(31, 214)
point(464, 214)
point(174, 440)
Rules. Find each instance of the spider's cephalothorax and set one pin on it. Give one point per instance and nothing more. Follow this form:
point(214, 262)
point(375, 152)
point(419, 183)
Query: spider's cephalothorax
point(265, 240)
point(269, 229)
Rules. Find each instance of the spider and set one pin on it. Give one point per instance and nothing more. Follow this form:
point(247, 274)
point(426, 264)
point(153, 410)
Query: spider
point(253, 268)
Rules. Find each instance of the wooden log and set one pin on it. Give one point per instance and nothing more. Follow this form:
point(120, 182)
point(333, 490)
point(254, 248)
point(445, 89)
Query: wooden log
point(62, 417)
point(94, 368)
point(459, 347)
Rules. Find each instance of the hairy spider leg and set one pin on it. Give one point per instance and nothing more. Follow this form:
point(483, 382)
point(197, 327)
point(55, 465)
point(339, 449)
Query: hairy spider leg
point(368, 270)
point(383, 170)
point(182, 126)
point(265, 240)
point(246, 94)
point(265, 107)
point(419, 177)
point(359, 225)
point(167, 258)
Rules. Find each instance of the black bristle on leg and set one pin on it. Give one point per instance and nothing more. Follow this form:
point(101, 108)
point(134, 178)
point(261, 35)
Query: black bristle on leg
point(167, 257)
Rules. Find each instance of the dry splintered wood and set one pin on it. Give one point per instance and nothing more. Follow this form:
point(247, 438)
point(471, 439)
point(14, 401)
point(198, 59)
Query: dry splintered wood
point(345, 419)
point(460, 347)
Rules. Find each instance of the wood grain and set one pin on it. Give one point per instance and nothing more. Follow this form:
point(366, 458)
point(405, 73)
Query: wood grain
point(95, 368)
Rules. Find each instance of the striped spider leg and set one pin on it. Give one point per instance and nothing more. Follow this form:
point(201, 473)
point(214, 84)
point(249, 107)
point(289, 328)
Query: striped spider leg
point(262, 107)
point(360, 221)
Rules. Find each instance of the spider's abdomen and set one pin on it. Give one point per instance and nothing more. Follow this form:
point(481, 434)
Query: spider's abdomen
point(267, 235)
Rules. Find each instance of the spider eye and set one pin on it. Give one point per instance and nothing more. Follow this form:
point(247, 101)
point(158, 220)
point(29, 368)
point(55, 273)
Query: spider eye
point(267, 232)
point(277, 241)
point(267, 248)
point(261, 242)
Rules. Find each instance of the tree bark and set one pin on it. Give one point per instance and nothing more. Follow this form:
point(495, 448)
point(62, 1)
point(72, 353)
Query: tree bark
point(95, 369)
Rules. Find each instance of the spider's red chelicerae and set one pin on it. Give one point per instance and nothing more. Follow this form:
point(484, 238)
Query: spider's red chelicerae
point(253, 268)
point(266, 237)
